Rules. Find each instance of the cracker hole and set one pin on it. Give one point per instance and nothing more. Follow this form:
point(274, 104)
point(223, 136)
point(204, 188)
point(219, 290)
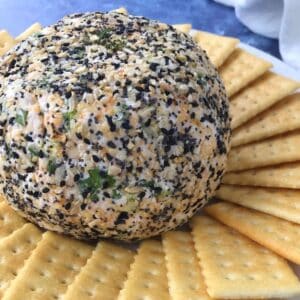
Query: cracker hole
point(63, 281)
point(146, 285)
point(152, 272)
point(247, 264)
point(14, 250)
point(230, 277)
point(155, 261)
point(252, 277)
point(89, 293)
point(71, 267)
point(277, 276)
point(32, 288)
point(50, 260)
point(98, 280)
point(225, 264)
point(42, 274)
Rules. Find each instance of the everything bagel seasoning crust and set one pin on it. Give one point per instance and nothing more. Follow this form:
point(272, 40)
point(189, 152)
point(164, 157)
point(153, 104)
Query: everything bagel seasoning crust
point(111, 126)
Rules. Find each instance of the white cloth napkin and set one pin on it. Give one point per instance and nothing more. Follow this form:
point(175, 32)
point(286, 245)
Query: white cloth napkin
point(275, 19)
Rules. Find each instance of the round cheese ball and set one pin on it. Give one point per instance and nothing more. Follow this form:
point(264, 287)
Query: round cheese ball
point(111, 126)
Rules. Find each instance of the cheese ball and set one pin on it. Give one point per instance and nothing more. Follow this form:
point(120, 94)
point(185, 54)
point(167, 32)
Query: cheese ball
point(111, 126)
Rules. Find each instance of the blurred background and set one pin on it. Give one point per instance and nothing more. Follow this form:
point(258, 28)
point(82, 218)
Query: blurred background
point(16, 15)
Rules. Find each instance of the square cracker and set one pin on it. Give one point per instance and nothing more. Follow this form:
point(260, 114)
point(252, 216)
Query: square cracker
point(6, 42)
point(235, 267)
point(49, 270)
point(218, 48)
point(278, 235)
point(9, 220)
point(103, 275)
point(121, 10)
point(282, 203)
point(240, 69)
point(259, 96)
point(185, 28)
point(184, 274)
point(277, 150)
point(147, 278)
point(34, 28)
point(281, 176)
point(14, 250)
point(280, 118)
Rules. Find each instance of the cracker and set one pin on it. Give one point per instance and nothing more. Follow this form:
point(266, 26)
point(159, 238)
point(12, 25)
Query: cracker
point(282, 203)
point(34, 28)
point(235, 267)
point(9, 220)
point(103, 275)
point(147, 278)
point(259, 96)
point(121, 10)
point(280, 149)
point(6, 42)
point(278, 235)
point(218, 48)
point(185, 28)
point(280, 118)
point(2, 198)
point(240, 69)
point(14, 250)
point(49, 270)
point(282, 176)
point(184, 274)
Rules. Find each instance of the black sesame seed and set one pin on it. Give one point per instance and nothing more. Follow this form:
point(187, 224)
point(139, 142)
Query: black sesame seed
point(68, 94)
point(111, 124)
point(86, 141)
point(153, 66)
point(95, 158)
point(29, 169)
point(62, 183)
point(123, 216)
point(76, 177)
point(68, 206)
point(126, 125)
point(111, 144)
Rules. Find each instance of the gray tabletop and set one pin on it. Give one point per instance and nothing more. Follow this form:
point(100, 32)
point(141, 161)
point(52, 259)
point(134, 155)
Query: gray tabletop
point(16, 15)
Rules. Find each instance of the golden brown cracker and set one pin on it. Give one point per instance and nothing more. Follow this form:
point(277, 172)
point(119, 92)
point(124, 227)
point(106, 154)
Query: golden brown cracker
point(276, 234)
point(277, 150)
point(240, 69)
point(281, 176)
point(14, 250)
point(121, 10)
point(235, 267)
point(49, 270)
point(282, 203)
point(34, 28)
point(218, 48)
point(6, 42)
point(259, 96)
point(185, 28)
point(278, 119)
point(147, 278)
point(9, 220)
point(103, 275)
point(184, 274)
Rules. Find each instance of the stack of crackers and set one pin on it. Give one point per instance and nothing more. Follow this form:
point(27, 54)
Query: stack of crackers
point(239, 249)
